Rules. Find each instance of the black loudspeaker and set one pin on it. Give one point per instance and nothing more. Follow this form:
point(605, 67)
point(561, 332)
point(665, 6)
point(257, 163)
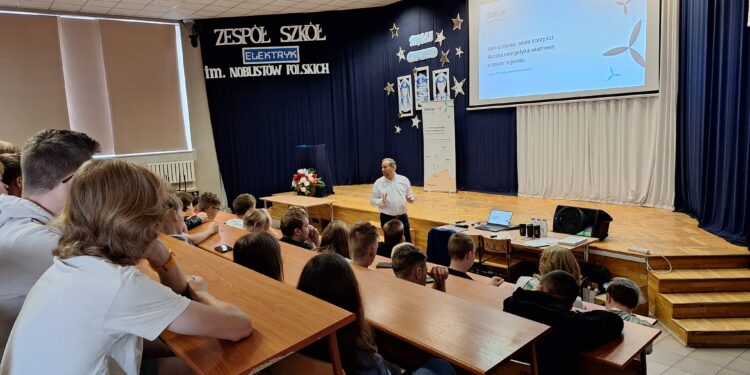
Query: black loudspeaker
point(581, 221)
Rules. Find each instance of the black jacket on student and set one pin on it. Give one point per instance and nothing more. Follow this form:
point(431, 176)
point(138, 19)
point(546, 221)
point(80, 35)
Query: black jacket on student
point(571, 333)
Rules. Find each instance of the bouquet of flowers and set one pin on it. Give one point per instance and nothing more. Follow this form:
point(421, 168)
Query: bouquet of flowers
point(306, 182)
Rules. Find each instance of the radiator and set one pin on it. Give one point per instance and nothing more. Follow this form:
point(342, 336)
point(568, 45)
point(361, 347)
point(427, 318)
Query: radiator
point(180, 173)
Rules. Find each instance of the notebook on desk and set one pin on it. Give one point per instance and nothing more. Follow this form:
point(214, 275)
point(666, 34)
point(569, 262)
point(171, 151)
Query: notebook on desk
point(498, 220)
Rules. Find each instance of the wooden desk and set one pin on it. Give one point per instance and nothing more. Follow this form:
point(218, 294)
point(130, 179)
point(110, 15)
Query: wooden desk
point(223, 216)
point(618, 353)
point(285, 319)
point(519, 243)
point(472, 337)
point(298, 200)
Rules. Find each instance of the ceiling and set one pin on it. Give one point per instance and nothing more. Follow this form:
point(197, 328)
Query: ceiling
point(189, 9)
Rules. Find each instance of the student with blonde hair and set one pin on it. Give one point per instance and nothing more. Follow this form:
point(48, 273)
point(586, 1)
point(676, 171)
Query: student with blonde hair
point(553, 258)
point(335, 239)
point(94, 294)
point(8, 148)
point(258, 220)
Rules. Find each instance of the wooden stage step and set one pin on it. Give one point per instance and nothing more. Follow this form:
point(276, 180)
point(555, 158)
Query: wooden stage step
point(709, 305)
point(701, 280)
point(712, 332)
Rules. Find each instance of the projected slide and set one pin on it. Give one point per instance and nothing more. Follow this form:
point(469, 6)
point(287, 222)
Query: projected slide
point(528, 48)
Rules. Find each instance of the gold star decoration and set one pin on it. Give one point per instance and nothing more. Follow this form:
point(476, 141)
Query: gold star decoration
point(444, 58)
point(456, 22)
point(400, 54)
point(394, 30)
point(440, 38)
point(388, 88)
point(458, 87)
point(398, 129)
point(459, 52)
point(415, 122)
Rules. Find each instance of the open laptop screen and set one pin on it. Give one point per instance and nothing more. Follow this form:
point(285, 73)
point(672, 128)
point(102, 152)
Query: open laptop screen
point(499, 217)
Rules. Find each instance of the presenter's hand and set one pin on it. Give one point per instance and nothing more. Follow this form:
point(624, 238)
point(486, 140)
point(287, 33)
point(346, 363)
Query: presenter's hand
point(496, 281)
point(439, 273)
point(410, 199)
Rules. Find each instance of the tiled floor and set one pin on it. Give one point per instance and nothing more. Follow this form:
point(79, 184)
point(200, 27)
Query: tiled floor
point(672, 358)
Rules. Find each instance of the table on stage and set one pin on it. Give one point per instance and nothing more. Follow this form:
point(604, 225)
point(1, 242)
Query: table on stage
point(285, 320)
point(298, 200)
point(616, 354)
point(519, 242)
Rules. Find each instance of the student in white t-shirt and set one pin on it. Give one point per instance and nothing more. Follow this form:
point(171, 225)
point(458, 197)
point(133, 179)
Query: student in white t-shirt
point(89, 312)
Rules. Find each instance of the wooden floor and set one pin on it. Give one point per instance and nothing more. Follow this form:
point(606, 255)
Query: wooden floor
point(662, 231)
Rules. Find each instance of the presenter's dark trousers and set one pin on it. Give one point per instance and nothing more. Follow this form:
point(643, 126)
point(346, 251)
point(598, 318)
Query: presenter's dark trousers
point(402, 218)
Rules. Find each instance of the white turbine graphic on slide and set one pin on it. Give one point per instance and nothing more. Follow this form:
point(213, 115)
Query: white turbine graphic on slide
point(633, 53)
point(624, 5)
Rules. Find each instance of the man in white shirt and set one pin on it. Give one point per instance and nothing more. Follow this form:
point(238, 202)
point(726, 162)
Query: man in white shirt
point(48, 161)
point(390, 194)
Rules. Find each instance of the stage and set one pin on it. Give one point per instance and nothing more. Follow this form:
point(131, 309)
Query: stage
point(663, 231)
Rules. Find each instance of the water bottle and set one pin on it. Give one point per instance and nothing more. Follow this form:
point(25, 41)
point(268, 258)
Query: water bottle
point(544, 227)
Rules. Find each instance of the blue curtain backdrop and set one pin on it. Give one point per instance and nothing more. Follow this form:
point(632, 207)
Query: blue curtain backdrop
point(713, 132)
point(257, 121)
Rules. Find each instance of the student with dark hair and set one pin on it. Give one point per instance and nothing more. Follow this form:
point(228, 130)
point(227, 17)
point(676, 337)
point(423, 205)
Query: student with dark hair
point(261, 253)
point(240, 206)
point(48, 162)
point(329, 276)
point(393, 234)
point(363, 243)
point(410, 264)
point(572, 332)
point(623, 296)
point(461, 252)
point(297, 231)
point(335, 239)
point(174, 225)
point(191, 218)
point(90, 311)
point(210, 204)
point(11, 177)
point(3, 187)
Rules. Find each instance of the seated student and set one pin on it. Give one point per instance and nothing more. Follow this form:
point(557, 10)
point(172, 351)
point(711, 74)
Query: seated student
point(11, 177)
point(623, 296)
point(461, 251)
point(174, 226)
point(363, 243)
point(411, 264)
point(335, 239)
point(329, 277)
point(571, 332)
point(261, 253)
point(192, 219)
point(258, 220)
point(94, 294)
point(27, 237)
point(240, 206)
point(553, 258)
point(210, 204)
point(393, 233)
point(296, 228)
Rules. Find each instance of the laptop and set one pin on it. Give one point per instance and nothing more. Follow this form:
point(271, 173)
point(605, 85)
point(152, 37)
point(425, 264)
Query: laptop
point(498, 220)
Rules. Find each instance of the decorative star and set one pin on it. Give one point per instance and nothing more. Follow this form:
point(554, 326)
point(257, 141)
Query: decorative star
point(394, 30)
point(398, 129)
point(400, 54)
point(458, 87)
point(459, 52)
point(440, 38)
point(444, 58)
point(388, 88)
point(415, 122)
point(456, 22)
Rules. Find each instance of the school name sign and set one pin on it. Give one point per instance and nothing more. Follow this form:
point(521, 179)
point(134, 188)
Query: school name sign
point(261, 60)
